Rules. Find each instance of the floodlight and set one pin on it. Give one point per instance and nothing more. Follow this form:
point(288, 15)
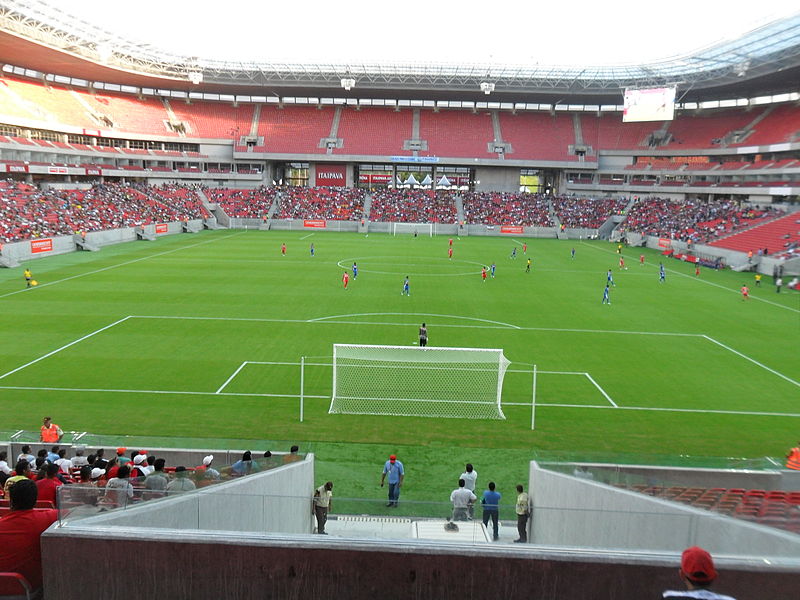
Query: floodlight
point(348, 83)
point(196, 77)
point(487, 87)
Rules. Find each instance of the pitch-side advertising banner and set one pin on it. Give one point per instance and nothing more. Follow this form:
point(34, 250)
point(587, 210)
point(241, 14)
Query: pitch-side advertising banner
point(664, 243)
point(331, 175)
point(162, 228)
point(39, 246)
point(511, 229)
point(316, 223)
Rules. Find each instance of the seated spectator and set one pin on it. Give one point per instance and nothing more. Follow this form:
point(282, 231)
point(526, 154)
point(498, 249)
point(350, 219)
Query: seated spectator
point(79, 460)
point(119, 490)
point(85, 476)
point(64, 463)
point(697, 572)
point(26, 455)
point(20, 550)
point(156, 482)
point(206, 471)
point(48, 484)
point(293, 456)
point(4, 468)
point(99, 461)
point(121, 458)
point(139, 470)
point(53, 456)
point(21, 471)
point(181, 483)
point(243, 466)
point(112, 468)
point(97, 474)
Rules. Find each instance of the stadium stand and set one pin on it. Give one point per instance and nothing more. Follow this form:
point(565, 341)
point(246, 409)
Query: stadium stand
point(374, 131)
point(538, 135)
point(588, 213)
point(413, 206)
point(456, 133)
point(497, 208)
point(294, 130)
point(214, 119)
point(607, 132)
point(252, 204)
point(340, 203)
point(780, 125)
point(778, 236)
point(706, 129)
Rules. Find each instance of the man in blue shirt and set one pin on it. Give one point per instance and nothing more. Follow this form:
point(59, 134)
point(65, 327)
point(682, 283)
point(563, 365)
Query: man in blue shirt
point(394, 468)
point(491, 508)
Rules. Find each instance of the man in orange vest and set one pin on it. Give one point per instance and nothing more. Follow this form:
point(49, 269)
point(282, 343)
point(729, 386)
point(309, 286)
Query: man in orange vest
point(793, 458)
point(50, 433)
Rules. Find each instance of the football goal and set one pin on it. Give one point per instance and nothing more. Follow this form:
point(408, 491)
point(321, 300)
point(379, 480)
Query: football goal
point(461, 383)
point(410, 228)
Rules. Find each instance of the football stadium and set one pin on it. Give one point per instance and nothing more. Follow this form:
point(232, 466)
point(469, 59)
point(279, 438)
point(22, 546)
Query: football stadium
point(462, 324)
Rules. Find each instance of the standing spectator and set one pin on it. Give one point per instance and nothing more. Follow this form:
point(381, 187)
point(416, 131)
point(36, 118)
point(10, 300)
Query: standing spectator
point(393, 468)
point(322, 504)
point(47, 485)
point(698, 573)
point(778, 284)
point(26, 455)
point(181, 483)
point(523, 511)
point(423, 336)
point(491, 509)
point(118, 489)
point(50, 433)
point(20, 530)
point(470, 476)
point(793, 458)
point(462, 499)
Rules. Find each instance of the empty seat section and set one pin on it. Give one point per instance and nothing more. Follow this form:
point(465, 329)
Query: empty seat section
point(214, 119)
point(294, 129)
point(456, 133)
point(699, 130)
point(539, 136)
point(608, 132)
point(782, 124)
point(128, 113)
point(374, 131)
point(776, 236)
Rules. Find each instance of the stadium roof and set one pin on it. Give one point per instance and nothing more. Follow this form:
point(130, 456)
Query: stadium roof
point(763, 61)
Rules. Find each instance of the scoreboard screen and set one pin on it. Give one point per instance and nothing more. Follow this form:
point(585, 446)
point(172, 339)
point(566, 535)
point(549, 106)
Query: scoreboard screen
point(653, 104)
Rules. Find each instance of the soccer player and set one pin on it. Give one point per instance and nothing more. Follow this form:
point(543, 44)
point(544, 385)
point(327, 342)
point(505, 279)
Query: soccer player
point(610, 279)
point(283, 249)
point(483, 274)
point(355, 271)
point(312, 249)
point(345, 279)
point(619, 248)
point(514, 252)
point(528, 266)
point(406, 291)
point(572, 252)
point(28, 277)
point(450, 252)
point(662, 275)
point(697, 269)
point(525, 248)
point(606, 299)
point(451, 242)
point(641, 260)
point(423, 336)
point(492, 270)
point(745, 292)
point(758, 279)
point(621, 263)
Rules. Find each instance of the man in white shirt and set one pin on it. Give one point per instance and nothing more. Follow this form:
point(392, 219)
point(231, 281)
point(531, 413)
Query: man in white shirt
point(79, 460)
point(470, 477)
point(462, 499)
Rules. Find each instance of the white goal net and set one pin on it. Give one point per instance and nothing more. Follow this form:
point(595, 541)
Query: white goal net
point(461, 383)
point(411, 228)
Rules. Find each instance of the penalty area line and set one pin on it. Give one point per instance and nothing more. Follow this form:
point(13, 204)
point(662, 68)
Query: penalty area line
point(602, 391)
point(229, 379)
point(747, 413)
point(752, 360)
point(177, 392)
point(306, 236)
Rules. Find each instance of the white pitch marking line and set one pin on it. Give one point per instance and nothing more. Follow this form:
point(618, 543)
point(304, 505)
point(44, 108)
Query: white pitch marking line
point(306, 236)
point(602, 391)
point(752, 360)
point(229, 379)
point(179, 392)
point(681, 410)
point(64, 347)
point(122, 264)
point(717, 285)
point(413, 314)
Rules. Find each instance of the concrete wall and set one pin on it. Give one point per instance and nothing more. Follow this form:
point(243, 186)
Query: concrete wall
point(203, 566)
point(569, 511)
point(274, 501)
point(497, 179)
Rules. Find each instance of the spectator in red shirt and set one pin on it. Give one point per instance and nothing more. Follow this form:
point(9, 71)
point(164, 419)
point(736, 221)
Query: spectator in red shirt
point(48, 484)
point(20, 529)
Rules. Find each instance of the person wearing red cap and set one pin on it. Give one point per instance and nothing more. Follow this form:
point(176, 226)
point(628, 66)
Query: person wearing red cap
point(393, 468)
point(698, 573)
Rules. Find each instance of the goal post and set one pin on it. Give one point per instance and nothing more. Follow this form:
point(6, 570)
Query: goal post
point(437, 382)
point(410, 228)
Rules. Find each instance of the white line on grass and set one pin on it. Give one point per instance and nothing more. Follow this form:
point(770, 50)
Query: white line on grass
point(692, 278)
point(681, 410)
point(413, 314)
point(180, 392)
point(752, 360)
point(602, 391)
point(122, 264)
point(229, 379)
point(306, 236)
point(64, 347)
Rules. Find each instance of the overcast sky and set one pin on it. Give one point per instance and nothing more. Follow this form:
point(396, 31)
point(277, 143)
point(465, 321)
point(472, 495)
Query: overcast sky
point(509, 32)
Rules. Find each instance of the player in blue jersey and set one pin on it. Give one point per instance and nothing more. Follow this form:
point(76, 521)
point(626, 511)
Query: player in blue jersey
point(606, 299)
point(610, 279)
point(572, 252)
point(406, 291)
point(312, 249)
point(514, 252)
point(662, 276)
point(355, 270)
point(492, 270)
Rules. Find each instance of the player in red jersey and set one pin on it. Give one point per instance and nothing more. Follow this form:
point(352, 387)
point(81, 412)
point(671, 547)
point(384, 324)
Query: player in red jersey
point(483, 274)
point(283, 249)
point(451, 242)
point(745, 292)
point(697, 269)
point(525, 247)
point(345, 279)
point(450, 253)
point(621, 263)
point(641, 259)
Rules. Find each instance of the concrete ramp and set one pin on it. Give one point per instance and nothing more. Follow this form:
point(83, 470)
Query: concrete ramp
point(82, 244)
point(188, 228)
point(469, 532)
point(141, 234)
point(8, 262)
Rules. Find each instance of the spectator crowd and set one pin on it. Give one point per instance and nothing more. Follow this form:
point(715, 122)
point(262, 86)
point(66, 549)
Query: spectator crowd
point(413, 206)
point(504, 208)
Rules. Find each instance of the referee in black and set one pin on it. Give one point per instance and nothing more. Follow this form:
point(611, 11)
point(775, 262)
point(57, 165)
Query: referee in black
point(423, 336)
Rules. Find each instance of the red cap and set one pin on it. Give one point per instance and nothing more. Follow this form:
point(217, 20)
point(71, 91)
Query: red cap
point(142, 451)
point(697, 565)
point(121, 450)
point(392, 458)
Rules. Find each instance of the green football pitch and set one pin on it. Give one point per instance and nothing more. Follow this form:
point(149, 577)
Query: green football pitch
point(201, 336)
